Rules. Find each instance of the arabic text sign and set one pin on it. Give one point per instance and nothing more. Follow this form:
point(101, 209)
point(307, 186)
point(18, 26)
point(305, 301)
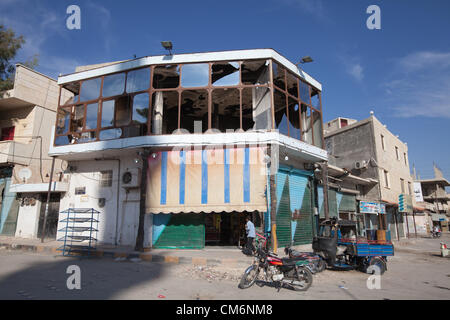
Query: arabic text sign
point(372, 207)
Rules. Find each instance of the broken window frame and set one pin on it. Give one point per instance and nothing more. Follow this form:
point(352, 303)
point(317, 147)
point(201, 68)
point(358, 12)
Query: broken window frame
point(300, 102)
point(209, 88)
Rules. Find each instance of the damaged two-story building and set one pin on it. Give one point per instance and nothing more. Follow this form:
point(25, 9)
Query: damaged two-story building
point(208, 129)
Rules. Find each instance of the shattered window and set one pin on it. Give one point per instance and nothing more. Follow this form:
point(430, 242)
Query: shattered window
point(226, 109)
point(110, 134)
point(304, 92)
point(315, 98)
point(278, 76)
point(294, 119)
point(247, 109)
point(113, 85)
point(62, 124)
point(225, 74)
point(70, 93)
point(195, 75)
point(292, 85)
point(255, 72)
point(194, 111)
point(78, 119)
point(281, 120)
point(90, 89)
point(140, 108)
point(123, 111)
point(87, 137)
point(306, 124)
point(91, 116)
point(107, 114)
point(165, 112)
point(317, 129)
point(256, 108)
point(138, 80)
point(165, 77)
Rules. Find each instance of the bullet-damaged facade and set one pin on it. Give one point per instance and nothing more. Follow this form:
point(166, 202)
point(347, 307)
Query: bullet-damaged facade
point(208, 129)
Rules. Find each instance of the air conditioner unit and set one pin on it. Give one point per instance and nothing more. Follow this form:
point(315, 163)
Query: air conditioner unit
point(131, 178)
point(360, 165)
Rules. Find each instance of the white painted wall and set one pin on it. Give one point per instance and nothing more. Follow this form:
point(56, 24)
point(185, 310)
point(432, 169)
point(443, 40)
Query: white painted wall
point(28, 220)
point(119, 217)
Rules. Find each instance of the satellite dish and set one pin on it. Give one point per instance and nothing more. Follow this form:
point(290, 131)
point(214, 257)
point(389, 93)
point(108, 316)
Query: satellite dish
point(25, 174)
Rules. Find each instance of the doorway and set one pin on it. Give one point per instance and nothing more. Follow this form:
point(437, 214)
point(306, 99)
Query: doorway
point(225, 229)
point(52, 215)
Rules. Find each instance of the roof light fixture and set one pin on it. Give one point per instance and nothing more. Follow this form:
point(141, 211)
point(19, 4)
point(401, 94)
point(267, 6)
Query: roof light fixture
point(168, 46)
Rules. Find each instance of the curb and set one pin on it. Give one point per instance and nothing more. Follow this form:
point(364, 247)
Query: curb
point(145, 256)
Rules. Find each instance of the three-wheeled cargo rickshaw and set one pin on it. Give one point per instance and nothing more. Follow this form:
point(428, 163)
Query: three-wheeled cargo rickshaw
point(338, 244)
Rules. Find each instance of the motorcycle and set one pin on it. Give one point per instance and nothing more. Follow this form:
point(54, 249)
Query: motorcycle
point(292, 272)
point(436, 234)
point(317, 263)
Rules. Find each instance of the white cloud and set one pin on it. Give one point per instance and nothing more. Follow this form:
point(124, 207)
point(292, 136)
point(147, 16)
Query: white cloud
point(356, 71)
point(420, 85)
point(314, 7)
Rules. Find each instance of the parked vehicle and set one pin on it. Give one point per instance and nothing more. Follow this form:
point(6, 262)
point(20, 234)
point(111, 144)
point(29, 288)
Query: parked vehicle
point(436, 234)
point(291, 272)
point(344, 252)
point(317, 263)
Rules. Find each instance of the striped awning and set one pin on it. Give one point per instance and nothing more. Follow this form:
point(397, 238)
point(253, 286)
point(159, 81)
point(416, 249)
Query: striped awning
point(209, 180)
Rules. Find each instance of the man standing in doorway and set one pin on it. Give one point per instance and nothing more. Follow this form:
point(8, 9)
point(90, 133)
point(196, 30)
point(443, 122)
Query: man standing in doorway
point(251, 234)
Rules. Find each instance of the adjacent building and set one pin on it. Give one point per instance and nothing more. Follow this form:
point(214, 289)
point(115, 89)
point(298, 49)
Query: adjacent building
point(367, 149)
point(436, 199)
point(192, 140)
point(27, 115)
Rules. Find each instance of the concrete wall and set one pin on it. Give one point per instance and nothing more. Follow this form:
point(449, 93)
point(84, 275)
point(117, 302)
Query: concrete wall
point(119, 217)
point(351, 144)
point(28, 219)
point(387, 160)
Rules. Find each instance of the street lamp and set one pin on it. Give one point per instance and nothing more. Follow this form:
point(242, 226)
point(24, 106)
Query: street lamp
point(168, 46)
point(304, 60)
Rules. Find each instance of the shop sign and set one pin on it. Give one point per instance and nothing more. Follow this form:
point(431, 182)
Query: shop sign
point(372, 207)
point(405, 203)
point(418, 192)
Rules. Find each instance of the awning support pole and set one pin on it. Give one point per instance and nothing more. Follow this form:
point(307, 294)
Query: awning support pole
point(44, 229)
point(140, 234)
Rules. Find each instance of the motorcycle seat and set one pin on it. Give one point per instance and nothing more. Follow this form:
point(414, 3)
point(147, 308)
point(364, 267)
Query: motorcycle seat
point(289, 261)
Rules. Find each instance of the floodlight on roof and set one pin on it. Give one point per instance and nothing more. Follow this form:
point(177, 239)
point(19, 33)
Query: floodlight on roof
point(168, 46)
point(304, 60)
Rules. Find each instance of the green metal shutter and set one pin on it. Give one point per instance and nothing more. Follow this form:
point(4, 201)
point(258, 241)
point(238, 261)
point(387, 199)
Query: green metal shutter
point(184, 231)
point(332, 203)
point(284, 215)
point(348, 202)
point(303, 231)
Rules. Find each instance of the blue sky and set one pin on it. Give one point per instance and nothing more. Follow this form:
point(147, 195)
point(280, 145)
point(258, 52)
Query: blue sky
point(401, 72)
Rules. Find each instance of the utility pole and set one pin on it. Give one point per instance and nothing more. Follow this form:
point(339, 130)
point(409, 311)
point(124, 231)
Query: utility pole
point(273, 205)
point(44, 226)
point(140, 234)
point(324, 167)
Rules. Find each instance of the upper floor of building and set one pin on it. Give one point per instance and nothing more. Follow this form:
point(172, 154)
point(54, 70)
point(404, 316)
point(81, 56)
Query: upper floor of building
point(159, 97)
point(368, 149)
point(27, 115)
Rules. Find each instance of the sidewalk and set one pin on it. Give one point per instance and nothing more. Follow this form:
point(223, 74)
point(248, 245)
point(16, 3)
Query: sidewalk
point(204, 257)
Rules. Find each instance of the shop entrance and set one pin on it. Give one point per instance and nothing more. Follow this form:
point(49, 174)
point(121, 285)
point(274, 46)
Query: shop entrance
point(225, 229)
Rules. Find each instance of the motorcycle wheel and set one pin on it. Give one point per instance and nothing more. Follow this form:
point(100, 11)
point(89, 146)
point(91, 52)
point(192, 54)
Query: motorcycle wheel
point(304, 280)
point(379, 263)
point(321, 265)
point(249, 277)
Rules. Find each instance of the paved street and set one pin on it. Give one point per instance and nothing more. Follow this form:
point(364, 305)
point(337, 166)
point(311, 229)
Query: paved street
point(416, 272)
